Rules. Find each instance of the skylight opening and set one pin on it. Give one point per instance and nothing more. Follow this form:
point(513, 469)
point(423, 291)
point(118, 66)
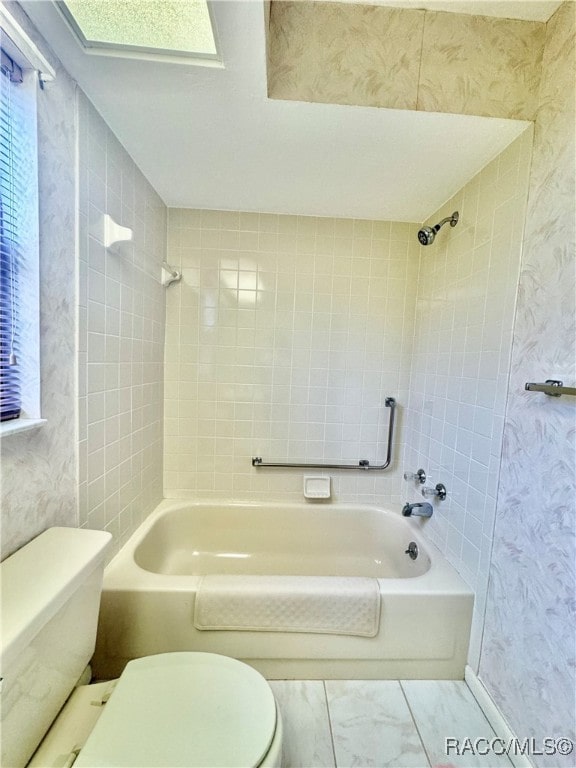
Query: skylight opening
point(167, 29)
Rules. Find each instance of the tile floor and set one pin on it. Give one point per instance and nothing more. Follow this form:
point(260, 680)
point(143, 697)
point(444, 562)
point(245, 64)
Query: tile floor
point(379, 723)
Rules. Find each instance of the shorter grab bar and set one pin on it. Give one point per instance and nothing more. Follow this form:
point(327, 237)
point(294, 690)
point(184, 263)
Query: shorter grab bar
point(390, 402)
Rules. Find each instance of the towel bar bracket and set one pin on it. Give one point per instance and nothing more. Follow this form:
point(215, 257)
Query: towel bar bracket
point(551, 387)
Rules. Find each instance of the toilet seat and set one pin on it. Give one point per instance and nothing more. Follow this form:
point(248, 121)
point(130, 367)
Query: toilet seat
point(195, 710)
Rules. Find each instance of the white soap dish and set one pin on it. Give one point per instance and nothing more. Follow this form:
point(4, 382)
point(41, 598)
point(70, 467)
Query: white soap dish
point(316, 487)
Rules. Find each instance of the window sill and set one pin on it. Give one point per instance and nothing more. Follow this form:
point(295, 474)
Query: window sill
point(20, 425)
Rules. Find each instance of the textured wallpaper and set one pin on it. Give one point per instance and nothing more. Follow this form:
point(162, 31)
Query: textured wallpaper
point(39, 468)
point(528, 656)
point(400, 58)
point(480, 65)
point(340, 53)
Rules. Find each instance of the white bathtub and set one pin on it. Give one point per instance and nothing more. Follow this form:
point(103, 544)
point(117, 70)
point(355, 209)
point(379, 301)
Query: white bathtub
point(150, 587)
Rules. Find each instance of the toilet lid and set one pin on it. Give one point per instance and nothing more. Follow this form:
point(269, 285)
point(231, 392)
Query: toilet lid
point(197, 710)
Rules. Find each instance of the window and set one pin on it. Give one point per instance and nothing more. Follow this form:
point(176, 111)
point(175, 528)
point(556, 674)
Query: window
point(10, 252)
point(20, 66)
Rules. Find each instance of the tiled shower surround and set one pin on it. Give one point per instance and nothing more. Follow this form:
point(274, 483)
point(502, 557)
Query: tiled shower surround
point(121, 335)
point(283, 340)
point(287, 333)
point(461, 363)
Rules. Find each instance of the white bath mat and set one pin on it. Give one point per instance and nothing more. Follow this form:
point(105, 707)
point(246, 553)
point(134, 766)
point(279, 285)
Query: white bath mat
point(322, 604)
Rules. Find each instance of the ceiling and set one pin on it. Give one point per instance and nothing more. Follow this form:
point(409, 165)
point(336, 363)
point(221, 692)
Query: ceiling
point(210, 138)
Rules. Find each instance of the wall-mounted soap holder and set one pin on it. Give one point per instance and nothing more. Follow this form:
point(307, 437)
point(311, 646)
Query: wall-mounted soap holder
point(317, 487)
point(115, 233)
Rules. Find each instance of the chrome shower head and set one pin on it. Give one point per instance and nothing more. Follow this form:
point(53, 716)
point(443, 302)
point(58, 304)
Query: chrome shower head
point(426, 235)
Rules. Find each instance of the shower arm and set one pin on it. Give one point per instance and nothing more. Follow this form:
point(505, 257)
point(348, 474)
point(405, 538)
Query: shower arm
point(390, 402)
point(444, 221)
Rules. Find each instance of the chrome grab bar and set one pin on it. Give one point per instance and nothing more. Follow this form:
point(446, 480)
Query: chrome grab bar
point(390, 402)
point(552, 387)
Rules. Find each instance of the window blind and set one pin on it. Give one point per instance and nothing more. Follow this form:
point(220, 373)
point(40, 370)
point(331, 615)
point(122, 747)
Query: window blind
point(12, 183)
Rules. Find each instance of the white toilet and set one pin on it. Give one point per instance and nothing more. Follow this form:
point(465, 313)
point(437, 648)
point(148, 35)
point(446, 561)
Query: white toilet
point(195, 710)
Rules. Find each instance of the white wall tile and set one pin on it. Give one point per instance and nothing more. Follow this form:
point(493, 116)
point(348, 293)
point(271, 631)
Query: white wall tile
point(458, 386)
point(123, 333)
point(283, 340)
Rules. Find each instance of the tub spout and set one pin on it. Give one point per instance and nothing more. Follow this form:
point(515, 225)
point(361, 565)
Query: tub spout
point(420, 509)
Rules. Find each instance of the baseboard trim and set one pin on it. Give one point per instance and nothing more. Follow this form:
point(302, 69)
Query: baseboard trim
point(493, 715)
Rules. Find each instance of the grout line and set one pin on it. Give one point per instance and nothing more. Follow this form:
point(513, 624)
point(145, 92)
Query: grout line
point(329, 722)
point(428, 758)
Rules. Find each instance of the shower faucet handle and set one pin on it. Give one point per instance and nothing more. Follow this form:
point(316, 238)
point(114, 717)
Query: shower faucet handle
point(419, 475)
point(439, 491)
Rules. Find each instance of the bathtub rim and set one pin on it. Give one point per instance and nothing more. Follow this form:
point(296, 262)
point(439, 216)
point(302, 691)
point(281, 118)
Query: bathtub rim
point(124, 573)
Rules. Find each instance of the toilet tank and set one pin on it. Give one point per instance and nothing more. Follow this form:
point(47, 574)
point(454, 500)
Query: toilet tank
point(49, 609)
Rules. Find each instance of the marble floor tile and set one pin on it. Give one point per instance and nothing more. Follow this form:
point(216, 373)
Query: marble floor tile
point(307, 737)
point(372, 725)
point(447, 708)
